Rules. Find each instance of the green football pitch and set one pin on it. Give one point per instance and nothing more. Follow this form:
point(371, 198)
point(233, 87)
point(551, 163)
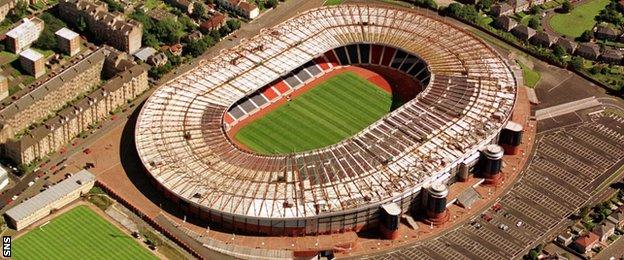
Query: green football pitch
point(326, 114)
point(78, 234)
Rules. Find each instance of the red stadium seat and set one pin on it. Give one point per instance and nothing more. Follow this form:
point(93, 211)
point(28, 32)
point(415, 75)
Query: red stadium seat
point(331, 57)
point(270, 94)
point(376, 54)
point(322, 62)
point(387, 56)
point(282, 87)
point(228, 119)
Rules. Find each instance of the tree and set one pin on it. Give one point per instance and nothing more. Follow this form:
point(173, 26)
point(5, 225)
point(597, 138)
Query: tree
point(566, 7)
point(233, 24)
point(271, 4)
point(586, 36)
point(168, 30)
point(81, 24)
point(199, 10)
point(535, 10)
point(559, 51)
point(19, 12)
point(534, 23)
point(196, 48)
point(452, 9)
point(577, 63)
point(484, 5)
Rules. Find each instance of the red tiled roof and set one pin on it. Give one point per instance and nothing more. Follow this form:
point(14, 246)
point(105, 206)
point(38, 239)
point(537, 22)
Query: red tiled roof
point(587, 240)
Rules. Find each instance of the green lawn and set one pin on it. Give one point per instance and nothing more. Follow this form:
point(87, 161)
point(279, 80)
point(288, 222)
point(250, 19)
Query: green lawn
point(78, 234)
point(581, 18)
point(332, 111)
point(333, 2)
point(530, 76)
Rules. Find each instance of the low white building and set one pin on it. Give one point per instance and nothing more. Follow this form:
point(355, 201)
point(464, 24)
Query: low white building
point(4, 178)
point(53, 198)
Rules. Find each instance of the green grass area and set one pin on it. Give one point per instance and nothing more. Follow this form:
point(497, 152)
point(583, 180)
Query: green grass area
point(333, 2)
point(581, 18)
point(78, 234)
point(531, 77)
point(334, 110)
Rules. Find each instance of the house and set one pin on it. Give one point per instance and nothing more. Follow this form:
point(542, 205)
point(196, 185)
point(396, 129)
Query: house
point(617, 217)
point(519, 5)
point(564, 238)
point(242, 8)
point(604, 32)
point(216, 21)
point(161, 14)
point(22, 36)
point(157, 60)
point(193, 36)
point(544, 39)
point(145, 53)
point(502, 9)
point(505, 23)
point(604, 230)
point(176, 49)
point(589, 51)
point(585, 243)
point(567, 44)
point(611, 56)
point(523, 32)
point(184, 5)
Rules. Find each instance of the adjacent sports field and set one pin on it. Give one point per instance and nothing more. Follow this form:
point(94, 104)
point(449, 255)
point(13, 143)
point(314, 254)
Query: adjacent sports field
point(581, 18)
point(78, 234)
point(336, 109)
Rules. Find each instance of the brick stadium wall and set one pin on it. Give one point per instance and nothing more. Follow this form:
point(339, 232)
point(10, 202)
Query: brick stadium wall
point(152, 222)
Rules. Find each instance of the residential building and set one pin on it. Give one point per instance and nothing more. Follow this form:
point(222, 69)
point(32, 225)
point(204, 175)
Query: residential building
point(144, 53)
point(567, 44)
point(161, 14)
point(157, 60)
point(4, 177)
point(112, 28)
point(68, 41)
point(4, 87)
point(544, 39)
point(585, 243)
point(216, 21)
point(502, 9)
point(22, 36)
point(505, 22)
point(79, 117)
point(184, 5)
point(611, 56)
point(36, 102)
point(5, 8)
point(32, 62)
point(523, 32)
point(604, 230)
point(606, 32)
point(589, 51)
point(617, 217)
point(54, 198)
point(564, 238)
point(242, 8)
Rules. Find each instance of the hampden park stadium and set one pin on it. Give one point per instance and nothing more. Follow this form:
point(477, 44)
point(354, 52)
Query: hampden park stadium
point(340, 118)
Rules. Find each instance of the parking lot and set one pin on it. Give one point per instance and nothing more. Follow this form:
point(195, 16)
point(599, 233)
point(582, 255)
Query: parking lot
point(570, 164)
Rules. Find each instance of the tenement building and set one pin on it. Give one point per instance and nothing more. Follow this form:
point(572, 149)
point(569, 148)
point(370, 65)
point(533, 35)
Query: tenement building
point(39, 100)
point(80, 117)
point(112, 28)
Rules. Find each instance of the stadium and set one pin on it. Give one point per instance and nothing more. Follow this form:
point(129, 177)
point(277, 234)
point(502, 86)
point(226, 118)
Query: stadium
point(456, 95)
